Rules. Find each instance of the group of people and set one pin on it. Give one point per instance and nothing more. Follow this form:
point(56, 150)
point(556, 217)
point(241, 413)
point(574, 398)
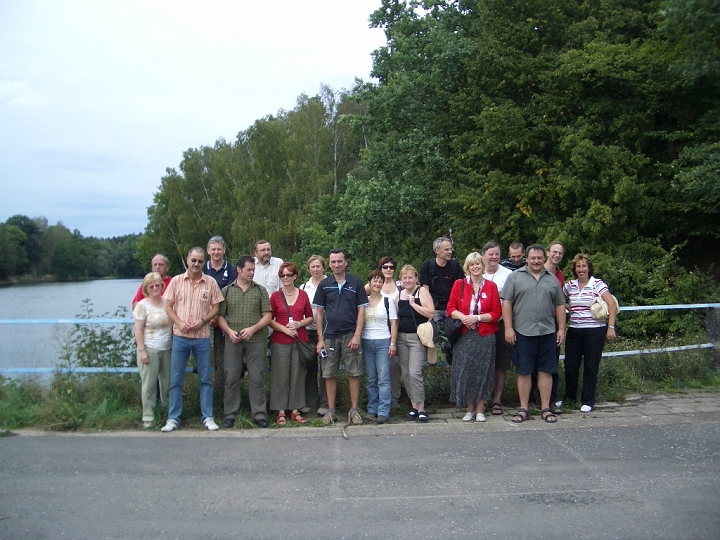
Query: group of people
point(511, 312)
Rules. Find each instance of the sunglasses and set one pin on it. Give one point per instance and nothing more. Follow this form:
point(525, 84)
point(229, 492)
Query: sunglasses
point(287, 275)
point(387, 267)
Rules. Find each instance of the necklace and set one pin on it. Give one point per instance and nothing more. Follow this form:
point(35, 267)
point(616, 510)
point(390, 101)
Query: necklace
point(291, 294)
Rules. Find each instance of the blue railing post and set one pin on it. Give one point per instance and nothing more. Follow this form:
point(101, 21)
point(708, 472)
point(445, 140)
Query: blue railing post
point(713, 334)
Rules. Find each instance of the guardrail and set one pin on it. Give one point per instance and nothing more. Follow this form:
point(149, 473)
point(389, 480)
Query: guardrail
point(713, 335)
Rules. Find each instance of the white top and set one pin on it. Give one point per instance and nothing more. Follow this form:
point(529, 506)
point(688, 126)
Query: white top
point(310, 289)
point(499, 278)
point(580, 302)
point(376, 320)
point(267, 275)
point(158, 326)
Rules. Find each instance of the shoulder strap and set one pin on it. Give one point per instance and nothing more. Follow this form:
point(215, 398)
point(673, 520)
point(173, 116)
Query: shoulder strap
point(387, 310)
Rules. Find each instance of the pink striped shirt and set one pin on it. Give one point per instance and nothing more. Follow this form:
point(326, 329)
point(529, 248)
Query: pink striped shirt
point(580, 302)
point(192, 300)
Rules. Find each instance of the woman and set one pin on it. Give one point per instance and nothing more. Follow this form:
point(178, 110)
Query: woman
point(390, 290)
point(415, 306)
point(315, 394)
point(476, 302)
point(379, 337)
point(153, 335)
point(291, 312)
point(586, 336)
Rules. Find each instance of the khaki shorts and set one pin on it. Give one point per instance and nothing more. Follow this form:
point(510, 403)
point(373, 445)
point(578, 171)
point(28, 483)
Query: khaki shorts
point(337, 349)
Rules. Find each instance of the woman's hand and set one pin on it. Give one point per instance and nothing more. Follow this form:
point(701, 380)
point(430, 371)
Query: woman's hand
point(610, 334)
point(144, 357)
point(470, 321)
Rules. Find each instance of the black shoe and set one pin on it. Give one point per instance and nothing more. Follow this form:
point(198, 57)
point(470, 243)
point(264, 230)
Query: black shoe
point(261, 422)
point(229, 422)
point(411, 416)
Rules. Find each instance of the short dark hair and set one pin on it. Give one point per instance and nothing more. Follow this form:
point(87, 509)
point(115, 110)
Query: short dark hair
point(517, 245)
point(337, 251)
point(535, 247)
point(490, 245)
point(261, 241)
point(243, 260)
point(375, 273)
point(387, 260)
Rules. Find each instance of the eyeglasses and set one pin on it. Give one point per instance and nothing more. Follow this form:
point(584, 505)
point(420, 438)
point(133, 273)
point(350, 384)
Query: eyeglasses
point(388, 267)
point(197, 261)
point(287, 275)
point(155, 285)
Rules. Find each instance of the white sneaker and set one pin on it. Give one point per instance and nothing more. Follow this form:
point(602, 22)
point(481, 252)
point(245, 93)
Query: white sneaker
point(585, 408)
point(171, 425)
point(480, 417)
point(468, 416)
point(558, 404)
point(210, 424)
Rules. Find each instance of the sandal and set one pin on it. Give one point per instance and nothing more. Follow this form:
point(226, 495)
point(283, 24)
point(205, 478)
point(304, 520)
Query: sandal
point(297, 417)
point(496, 409)
point(548, 416)
point(522, 414)
point(280, 421)
point(422, 417)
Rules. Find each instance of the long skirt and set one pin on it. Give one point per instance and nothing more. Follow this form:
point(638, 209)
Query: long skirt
point(473, 369)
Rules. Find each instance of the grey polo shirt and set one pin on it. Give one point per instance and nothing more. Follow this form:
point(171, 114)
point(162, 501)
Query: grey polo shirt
point(533, 301)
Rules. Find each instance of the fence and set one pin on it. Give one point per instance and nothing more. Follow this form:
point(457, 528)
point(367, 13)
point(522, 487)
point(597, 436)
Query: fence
point(713, 339)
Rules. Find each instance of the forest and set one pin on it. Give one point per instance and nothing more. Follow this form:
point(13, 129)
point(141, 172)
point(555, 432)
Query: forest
point(595, 123)
point(34, 250)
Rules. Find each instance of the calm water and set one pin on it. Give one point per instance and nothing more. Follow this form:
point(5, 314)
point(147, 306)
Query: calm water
point(34, 345)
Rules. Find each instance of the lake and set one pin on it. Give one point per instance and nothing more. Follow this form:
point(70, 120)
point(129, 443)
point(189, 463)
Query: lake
point(33, 345)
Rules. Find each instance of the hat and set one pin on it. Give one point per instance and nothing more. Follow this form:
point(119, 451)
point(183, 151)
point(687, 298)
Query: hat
point(428, 333)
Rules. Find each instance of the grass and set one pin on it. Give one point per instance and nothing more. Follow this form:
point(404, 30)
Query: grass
point(110, 401)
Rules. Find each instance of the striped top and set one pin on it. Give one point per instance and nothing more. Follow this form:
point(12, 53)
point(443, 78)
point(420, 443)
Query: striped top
point(580, 302)
point(192, 300)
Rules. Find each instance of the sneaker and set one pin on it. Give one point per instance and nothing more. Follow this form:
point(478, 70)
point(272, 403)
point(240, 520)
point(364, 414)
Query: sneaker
point(586, 408)
point(329, 418)
point(468, 416)
point(171, 425)
point(147, 425)
point(354, 417)
point(322, 411)
point(229, 422)
point(480, 417)
point(382, 419)
point(210, 424)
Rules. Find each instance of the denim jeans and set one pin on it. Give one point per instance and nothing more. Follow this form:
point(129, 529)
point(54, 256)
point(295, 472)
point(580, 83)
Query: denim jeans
point(200, 348)
point(377, 369)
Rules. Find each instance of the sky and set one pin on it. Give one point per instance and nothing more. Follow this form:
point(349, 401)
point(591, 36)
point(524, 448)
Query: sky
point(98, 98)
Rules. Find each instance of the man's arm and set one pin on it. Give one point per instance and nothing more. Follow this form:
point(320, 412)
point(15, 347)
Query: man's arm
point(560, 318)
point(507, 317)
point(355, 341)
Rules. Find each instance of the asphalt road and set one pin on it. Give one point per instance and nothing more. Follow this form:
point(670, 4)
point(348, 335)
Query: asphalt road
point(528, 481)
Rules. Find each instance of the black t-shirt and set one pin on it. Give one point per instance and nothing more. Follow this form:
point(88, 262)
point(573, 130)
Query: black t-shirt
point(440, 280)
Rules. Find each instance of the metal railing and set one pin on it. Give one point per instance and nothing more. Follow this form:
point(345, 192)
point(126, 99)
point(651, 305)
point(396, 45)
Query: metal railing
point(713, 333)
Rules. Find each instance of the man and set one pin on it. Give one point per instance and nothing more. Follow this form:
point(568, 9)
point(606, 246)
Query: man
point(516, 257)
point(533, 302)
point(267, 267)
point(193, 300)
point(161, 265)
point(503, 350)
point(438, 275)
point(340, 300)
point(244, 313)
point(555, 254)
point(223, 273)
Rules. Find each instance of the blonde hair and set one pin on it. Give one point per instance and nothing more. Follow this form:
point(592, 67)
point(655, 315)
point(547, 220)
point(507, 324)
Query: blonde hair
point(316, 258)
point(149, 279)
point(473, 258)
point(408, 268)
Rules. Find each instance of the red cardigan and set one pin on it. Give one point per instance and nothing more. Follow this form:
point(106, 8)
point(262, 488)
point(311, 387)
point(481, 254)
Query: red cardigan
point(489, 303)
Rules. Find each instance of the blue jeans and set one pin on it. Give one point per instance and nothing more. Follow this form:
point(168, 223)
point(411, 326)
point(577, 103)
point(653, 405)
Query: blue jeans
point(200, 348)
point(377, 369)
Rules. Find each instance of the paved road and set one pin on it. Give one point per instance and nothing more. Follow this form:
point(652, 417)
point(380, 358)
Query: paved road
point(628, 476)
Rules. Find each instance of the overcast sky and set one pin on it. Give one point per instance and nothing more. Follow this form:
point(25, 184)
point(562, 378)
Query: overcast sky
point(98, 97)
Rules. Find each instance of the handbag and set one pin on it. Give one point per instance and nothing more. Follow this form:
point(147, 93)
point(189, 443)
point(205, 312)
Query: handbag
point(453, 327)
point(599, 307)
point(306, 350)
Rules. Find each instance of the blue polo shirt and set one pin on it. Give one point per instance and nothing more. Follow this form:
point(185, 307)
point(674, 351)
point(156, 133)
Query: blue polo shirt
point(226, 275)
point(341, 303)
